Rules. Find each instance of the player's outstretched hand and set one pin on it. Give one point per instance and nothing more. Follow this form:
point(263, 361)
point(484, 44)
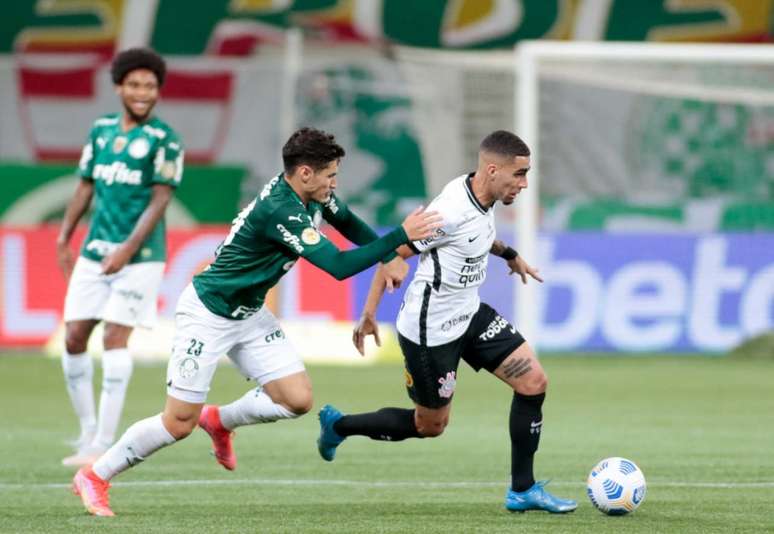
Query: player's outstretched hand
point(366, 326)
point(421, 224)
point(394, 272)
point(520, 267)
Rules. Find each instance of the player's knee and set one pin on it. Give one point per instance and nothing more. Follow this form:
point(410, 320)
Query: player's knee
point(74, 345)
point(430, 428)
point(114, 338)
point(75, 342)
point(536, 383)
point(300, 402)
point(180, 427)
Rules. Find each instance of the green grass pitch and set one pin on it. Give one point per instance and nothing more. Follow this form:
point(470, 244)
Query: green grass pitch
point(701, 429)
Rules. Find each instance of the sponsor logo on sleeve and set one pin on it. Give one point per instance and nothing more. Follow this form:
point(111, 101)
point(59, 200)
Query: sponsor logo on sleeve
point(291, 239)
point(437, 235)
point(168, 170)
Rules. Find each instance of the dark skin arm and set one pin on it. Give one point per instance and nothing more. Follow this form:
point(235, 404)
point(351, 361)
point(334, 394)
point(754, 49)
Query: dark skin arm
point(115, 261)
point(517, 265)
point(75, 210)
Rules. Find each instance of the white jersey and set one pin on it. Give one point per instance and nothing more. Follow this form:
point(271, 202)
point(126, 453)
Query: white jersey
point(443, 296)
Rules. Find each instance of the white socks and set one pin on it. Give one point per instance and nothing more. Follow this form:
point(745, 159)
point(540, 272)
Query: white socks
point(116, 371)
point(78, 371)
point(254, 407)
point(138, 442)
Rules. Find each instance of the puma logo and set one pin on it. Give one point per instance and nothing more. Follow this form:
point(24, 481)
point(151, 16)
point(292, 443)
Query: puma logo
point(296, 218)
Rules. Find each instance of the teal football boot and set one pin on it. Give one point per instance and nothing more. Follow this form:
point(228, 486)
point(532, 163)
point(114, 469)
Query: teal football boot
point(329, 439)
point(537, 498)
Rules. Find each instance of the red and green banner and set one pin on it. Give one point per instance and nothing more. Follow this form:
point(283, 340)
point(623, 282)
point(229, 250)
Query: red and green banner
point(226, 27)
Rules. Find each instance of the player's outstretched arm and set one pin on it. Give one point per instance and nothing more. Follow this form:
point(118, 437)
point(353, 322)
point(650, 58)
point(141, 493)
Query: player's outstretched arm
point(346, 221)
point(161, 196)
point(418, 225)
point(75, 210)
point(515, 262)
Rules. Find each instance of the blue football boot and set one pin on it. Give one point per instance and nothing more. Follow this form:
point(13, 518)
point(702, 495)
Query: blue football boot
point(537, 498)
point(329, 439)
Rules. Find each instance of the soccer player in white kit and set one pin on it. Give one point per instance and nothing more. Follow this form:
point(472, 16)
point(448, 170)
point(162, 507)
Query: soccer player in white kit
point(131, 163)
point(442, 319)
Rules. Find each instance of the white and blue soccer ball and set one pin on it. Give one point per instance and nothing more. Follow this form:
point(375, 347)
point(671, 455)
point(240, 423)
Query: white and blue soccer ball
point(616, 486)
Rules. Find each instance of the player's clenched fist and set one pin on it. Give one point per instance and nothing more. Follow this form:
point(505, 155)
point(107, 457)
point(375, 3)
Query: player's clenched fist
point(421, 224)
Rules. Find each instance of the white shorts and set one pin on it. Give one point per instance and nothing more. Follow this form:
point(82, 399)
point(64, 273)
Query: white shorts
point(257, 346)
point(127, 297)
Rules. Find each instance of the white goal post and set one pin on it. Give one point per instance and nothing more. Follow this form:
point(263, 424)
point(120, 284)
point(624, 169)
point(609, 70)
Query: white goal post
point(533, 63)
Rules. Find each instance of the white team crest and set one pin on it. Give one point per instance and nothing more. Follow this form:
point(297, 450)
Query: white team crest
point(139, 148)
point(310, 236)
point(119, 143)
point(447, 385)
point(188, 368)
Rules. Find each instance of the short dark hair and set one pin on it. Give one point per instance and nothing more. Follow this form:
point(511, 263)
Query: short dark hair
point(504, 143)
point(137, 58)
point(309, 146)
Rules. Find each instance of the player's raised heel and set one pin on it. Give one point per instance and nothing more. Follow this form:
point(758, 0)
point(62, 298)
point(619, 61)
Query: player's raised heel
point(85, 456)
point(329, 439)
point(222, 446)
point(537, 498)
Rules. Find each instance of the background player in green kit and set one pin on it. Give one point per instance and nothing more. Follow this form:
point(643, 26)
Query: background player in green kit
point(222, 311)
point(131, 163)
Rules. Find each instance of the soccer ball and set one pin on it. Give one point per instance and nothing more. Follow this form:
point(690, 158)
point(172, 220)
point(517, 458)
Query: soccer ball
point(616, 486)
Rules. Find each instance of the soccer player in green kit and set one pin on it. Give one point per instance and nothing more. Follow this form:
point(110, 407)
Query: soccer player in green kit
point(222, 311)
point(131, 163)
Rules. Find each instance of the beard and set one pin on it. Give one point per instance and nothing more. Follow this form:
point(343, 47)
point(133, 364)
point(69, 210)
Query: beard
point(134, 116)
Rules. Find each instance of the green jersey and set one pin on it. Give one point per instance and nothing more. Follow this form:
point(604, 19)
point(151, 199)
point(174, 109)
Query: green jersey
point(124, 167)
point(269, 235)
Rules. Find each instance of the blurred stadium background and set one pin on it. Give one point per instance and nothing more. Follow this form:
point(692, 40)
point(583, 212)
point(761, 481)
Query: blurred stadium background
point(655, 179)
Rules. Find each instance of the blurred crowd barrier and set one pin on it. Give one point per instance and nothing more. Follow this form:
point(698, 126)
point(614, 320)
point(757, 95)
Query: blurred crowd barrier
point(635, 292)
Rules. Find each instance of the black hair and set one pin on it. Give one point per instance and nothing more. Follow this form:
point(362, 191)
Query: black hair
point(309, 146)
point(504, 143)
point(137, 58)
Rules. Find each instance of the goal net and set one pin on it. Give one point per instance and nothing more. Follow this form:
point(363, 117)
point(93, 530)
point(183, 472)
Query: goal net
point(625, 136)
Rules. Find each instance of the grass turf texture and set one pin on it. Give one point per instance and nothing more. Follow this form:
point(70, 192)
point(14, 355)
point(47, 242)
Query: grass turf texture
point(692, 424)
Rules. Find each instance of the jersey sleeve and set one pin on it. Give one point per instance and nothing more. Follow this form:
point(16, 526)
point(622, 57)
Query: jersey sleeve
point(293, 229)
point(338, 214)
point(168, 162)
point(86, 163)
point(442, 235)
